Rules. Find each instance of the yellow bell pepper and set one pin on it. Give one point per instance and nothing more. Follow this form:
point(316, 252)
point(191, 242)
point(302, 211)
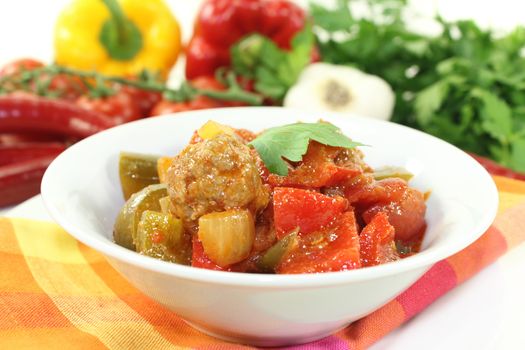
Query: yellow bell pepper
point(121, 37)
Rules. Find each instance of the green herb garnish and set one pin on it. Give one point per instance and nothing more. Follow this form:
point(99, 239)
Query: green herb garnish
point(291, 142)
point(465, 85)
point(272, 69)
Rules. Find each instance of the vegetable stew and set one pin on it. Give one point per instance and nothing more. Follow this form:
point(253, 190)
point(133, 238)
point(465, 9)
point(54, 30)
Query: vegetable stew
point(293, 199)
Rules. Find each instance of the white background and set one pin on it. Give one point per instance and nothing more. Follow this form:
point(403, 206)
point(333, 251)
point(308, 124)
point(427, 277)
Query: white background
point(487, 312)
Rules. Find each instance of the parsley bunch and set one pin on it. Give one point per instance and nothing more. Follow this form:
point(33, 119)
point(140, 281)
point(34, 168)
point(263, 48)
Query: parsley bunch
point(273, 70)
point(465, 85)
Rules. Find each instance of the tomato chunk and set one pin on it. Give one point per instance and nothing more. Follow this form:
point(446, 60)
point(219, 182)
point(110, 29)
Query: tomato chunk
point(364, 190)
point(406, 214)
point(377, 241)
point(308, 210)
point(335, 248)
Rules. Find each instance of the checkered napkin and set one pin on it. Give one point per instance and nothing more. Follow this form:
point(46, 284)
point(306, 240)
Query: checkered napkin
point(56, 293)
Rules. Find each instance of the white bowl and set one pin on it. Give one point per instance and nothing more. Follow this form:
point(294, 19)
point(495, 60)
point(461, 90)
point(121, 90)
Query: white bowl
point(81, 190)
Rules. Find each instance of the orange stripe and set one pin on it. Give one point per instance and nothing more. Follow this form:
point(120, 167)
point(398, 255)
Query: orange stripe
point(24, 304)
point(506, 184)
point(29, 310)
point(511, 223)
point(15, 275)
point(49, 339)
point(8, 242)
point(363, 333)
point(166, 322)
point(479, 254)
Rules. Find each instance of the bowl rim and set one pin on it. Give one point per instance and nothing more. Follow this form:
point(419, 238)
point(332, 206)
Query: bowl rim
point(421, 260)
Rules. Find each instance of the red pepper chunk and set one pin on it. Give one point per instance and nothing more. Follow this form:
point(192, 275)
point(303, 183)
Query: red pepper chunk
point(406, 214)
point(317, 169)
point(221, 23)
point(309, 210)
point(377, 242)
point(199, 258)
point(335, 248)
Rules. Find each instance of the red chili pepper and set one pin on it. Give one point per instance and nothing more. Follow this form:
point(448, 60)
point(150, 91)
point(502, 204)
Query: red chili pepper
point(496, 169)
point(16, 153)
point(25, 112)
point(9, 139)
point(221, 23)
point(20, 181)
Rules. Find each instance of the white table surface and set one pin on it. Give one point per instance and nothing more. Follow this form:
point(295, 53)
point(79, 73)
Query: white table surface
point(486, 312)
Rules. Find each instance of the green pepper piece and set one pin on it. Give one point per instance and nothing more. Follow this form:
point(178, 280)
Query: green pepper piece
point(161, 236)
point(125, 229)
point(273, 256)
point(137, 171)
point(392, 171)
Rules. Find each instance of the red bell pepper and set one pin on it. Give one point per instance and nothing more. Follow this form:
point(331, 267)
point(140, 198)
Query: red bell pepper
point(308, 210)
point(406, 214)
point(317, 169)
point(201, 260)
point(335, 248)
point(377, 241)
point(221, 23)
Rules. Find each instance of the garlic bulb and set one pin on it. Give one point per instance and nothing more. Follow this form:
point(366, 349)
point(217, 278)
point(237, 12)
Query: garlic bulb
point(326, 87)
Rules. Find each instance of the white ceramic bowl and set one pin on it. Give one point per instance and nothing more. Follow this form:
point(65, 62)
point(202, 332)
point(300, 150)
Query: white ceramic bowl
point(81, 190)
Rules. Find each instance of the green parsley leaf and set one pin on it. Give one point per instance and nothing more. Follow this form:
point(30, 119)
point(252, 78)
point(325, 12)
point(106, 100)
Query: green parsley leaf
point(332, 20)
point(436, 78)
point(496, 115)
point(517, 157)
point(428, 101)
point(273, 70)
point(291, 142)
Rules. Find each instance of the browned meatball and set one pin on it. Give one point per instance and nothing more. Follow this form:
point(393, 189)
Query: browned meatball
point(215, 175)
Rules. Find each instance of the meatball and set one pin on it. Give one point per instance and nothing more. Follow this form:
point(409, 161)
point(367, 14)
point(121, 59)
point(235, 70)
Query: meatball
point(214, 175)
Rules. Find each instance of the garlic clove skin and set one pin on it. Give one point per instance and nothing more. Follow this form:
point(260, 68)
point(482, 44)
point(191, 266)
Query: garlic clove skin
point(325, 87)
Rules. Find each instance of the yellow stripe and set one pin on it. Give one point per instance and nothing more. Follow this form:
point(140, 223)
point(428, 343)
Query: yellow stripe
point(104, 314)
point(43, 240)
point(509, 185)
point(509, 200)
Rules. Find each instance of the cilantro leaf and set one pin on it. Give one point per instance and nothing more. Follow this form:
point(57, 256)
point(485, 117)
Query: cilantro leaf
point(291, 142)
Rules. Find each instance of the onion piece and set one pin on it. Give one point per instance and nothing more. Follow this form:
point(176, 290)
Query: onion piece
point(227, 237)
